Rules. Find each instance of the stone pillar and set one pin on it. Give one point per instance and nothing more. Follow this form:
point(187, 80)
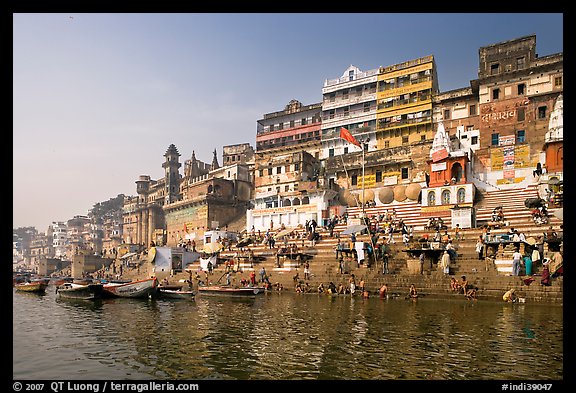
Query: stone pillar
point(151, 227)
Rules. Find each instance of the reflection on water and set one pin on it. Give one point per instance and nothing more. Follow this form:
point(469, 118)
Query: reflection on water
point(284, 336)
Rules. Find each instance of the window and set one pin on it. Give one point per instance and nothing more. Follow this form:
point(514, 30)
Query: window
point(495, 69)
point(541, 112)
point(303, 121)
point(495, 94)
point(332, 97)
point(431, 198)
point(386, 144)
point(446, 197)
point(446, 113)
point(423, 137)
point(331, 114)
point(461, 195)
point(378, 176)
point(520, 136)
point(557, 81)
point(354, 180)
point(366, 107)
point(281, 126)
point(331, 152)
point(404, 173)
point(345, 150)
point(521, 89)
point(520, 63)
point(405, 140)
point(351, 75)
point(297, 166)
point(278, 170)
point(474, 140)
point(286, 188)
point(520, 113)
point(472, 110)
point(495, 138)
point(269, 171)
point(291, 123)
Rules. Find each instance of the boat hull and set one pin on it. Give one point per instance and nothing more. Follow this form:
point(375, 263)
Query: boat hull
point(175, 294)
point(134, 289)
point(80, 291)
point(36, 287)
point(231, 291)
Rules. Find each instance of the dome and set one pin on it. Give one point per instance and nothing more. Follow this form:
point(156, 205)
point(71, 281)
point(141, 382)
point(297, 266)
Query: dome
point(413, 190)
point(386, 195)
point(400, 193)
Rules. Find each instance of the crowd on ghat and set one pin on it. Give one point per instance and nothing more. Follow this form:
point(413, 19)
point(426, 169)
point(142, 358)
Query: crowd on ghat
point(384, 229)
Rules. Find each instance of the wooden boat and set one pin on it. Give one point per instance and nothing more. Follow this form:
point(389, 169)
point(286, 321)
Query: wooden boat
point(71, 290)
point(230, 291)
point(133, 289)
point(169, 293)
point(37, 286)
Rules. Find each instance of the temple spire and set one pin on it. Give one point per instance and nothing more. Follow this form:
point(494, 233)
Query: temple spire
point(215, 164)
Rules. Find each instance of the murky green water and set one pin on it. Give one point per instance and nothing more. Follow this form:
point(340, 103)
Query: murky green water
point(285, 336)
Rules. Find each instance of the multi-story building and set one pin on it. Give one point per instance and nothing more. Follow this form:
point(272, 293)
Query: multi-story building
point(287, 186)
point(395, 131)
point(177, 208)
point(288, 192)
point(349, 102)
point(295, 128)
point(405, 92)
point(517, 93)
point(58, 232)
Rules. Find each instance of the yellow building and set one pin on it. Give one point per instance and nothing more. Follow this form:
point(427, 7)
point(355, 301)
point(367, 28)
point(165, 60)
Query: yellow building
point(404, 98)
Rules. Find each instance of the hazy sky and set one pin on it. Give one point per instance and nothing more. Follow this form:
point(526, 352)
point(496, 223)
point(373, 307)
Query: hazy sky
point(98, 98)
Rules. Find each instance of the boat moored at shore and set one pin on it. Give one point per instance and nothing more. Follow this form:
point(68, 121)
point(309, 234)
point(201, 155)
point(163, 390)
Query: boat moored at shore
point(134, 289)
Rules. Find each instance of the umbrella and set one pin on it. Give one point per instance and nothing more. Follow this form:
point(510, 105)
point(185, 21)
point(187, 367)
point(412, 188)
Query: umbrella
point(244, 242)
point(559, 213)
point(213, 247)
point(554, 181)
point(283, 233)
point(531, 240)
point(353, 229)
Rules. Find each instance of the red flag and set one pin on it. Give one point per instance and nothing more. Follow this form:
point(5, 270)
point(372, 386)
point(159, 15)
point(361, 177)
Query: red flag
point(345, 134)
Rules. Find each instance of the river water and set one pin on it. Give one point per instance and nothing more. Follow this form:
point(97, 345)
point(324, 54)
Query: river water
point(284, 336)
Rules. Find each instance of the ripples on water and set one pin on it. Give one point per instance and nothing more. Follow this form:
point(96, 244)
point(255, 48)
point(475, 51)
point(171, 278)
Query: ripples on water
point(284, 336)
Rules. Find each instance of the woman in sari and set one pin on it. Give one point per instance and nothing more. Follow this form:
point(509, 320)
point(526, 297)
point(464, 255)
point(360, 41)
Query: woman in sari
point(528, 265)
point(545, 274)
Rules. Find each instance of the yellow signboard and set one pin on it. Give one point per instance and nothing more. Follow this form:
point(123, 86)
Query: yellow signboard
point(369, 181)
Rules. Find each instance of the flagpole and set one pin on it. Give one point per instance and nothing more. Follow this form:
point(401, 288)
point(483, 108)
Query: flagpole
point(363, 180)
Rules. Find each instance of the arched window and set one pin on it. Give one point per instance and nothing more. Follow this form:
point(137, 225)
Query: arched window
point(287, 202)
point(431, 198)
point(210, 189)
point(296, 202)
point(446, 197)
point(305, 200)
point(461, 196)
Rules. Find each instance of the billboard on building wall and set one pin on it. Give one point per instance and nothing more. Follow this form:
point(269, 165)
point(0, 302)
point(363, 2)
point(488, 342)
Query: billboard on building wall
point(369, 181)
point(522, 156)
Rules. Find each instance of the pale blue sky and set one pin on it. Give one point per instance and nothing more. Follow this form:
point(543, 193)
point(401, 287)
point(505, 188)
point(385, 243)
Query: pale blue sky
point(98, 98)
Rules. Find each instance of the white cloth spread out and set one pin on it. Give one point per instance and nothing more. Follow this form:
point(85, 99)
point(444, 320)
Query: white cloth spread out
point(359, 246)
